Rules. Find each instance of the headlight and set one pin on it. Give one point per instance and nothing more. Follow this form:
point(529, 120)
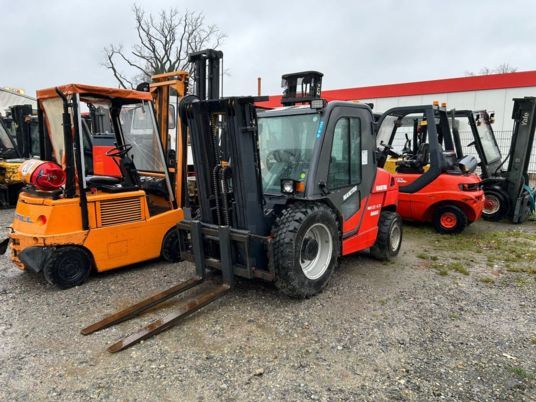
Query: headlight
point(287, 186)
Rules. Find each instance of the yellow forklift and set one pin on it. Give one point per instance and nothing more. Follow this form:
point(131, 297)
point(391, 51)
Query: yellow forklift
point(18, 142)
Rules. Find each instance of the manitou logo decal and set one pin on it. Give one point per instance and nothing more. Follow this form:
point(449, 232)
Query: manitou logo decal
point(349, 193)
point(400, 180)
point(23, 218)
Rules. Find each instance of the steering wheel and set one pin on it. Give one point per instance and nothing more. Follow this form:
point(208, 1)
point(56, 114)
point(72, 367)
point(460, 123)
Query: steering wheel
point(388, 151)
point(119, 151)
point(277, 156)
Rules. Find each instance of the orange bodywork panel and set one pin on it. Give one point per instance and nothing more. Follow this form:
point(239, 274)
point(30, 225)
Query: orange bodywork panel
point(420, 206)
point(121, 229)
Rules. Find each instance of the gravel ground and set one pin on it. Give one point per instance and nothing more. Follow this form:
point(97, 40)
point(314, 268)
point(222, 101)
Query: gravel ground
point(420, 328)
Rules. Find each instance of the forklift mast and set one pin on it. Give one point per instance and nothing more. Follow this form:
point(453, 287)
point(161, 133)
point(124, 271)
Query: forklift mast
point(226, 157)
point(206, 73)
point(520, 149)
point(22, 119)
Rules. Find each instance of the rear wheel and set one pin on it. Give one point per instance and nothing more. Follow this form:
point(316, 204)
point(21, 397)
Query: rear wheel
point(306, 249)
point(495, 205)
point(389, 237)
point(449, 219)
point(67, 266)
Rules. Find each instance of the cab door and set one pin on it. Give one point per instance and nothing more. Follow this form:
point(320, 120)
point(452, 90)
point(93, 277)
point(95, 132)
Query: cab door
point(351, 169)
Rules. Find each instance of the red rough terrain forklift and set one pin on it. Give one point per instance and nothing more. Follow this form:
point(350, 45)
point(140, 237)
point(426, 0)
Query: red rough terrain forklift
point(282, 195)
point(435, 186)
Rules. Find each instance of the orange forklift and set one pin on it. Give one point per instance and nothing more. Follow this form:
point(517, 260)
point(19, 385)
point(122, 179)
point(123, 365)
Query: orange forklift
point(69, 220)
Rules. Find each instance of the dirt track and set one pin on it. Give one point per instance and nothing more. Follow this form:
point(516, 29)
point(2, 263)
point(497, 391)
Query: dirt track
point(451, 318)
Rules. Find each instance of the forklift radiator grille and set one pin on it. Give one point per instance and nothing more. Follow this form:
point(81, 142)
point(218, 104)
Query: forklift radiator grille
point(116, 212)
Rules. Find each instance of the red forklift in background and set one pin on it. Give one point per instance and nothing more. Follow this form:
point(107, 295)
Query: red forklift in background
point(435, 186)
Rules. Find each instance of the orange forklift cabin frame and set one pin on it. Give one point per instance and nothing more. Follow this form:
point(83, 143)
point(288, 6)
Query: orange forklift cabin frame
point(78, 92)
point(160, 90)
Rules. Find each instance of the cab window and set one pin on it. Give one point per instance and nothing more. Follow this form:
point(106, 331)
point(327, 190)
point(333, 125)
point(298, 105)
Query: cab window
point(345, 162)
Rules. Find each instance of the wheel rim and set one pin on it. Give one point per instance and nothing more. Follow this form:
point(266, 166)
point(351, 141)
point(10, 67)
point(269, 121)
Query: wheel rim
point(448, 220)
point(491, 204)
point(314, 267)
point(395, 235)
point(71, 269)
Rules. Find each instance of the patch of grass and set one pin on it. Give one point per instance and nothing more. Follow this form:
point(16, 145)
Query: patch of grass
point(434, 257)
point(443, 269)
point(458, 267)
point(422, 256)
point(520, 268)
point(454, 316)
point(513, 249)
point(487, 279)
point(521, 282)
point(533, 341)
point(521, 372)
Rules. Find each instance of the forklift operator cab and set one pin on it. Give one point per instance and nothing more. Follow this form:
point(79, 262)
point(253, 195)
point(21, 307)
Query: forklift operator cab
point(68, 220)
point(435, 186)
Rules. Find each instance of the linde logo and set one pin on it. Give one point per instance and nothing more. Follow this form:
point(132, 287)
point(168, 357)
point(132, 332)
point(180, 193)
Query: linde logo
point(525, 119)
point(23, 218)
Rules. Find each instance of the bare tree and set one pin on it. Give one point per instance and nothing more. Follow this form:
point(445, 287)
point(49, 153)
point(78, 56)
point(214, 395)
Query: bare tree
point(164, 43)
point(505, 68)
point(500, 69)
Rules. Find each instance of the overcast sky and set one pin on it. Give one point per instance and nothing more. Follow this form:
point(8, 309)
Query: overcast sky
point(354, 43)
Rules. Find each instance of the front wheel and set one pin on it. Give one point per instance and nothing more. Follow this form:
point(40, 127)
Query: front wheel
point(389, 238)
point(495, 205)
point(170, 246)
point(306, 249)
point(449, 219)
point(67, 266)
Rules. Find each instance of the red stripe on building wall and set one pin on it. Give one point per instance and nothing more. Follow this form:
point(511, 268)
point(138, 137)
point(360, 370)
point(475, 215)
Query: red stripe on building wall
point(461, 84)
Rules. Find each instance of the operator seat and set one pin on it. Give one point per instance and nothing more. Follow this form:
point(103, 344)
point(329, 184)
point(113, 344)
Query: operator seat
point(417, 163)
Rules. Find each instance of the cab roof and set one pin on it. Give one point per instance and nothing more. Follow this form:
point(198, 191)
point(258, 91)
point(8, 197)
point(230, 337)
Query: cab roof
point(104, 92)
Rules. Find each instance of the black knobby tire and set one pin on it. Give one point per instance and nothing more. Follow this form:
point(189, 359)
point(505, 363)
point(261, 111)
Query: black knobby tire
point(290, 245)
point(449, 219)
point(67, 266)
point(495, 205)
point(389, 238)
point(170, 246)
